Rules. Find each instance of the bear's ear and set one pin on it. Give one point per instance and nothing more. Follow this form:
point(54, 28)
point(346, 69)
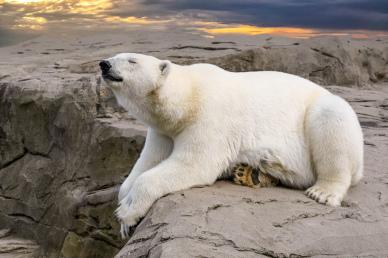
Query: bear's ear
point(164, 67)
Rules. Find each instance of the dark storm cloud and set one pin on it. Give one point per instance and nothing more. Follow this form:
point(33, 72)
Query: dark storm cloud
point(325, 14)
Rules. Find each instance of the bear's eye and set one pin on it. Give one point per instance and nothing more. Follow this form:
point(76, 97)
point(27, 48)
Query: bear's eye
point(131, 61)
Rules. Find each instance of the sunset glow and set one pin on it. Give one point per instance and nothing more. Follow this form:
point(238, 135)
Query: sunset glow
point(253, 30)
point(46, 15)
point(81, 10)
point(133, 20)
point(24, 1)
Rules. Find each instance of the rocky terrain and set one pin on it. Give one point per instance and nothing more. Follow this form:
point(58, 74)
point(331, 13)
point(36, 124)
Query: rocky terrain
point(65, 147)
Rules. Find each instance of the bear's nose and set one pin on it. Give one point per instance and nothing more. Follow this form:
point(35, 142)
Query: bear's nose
point(105, 66)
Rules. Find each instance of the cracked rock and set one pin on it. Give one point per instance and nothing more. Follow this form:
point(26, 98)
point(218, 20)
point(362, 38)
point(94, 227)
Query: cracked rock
point(60, 166)
point(326, 61)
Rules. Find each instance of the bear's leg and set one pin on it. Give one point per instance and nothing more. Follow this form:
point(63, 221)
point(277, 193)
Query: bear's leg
point(336, 144)
point(156, 149)
point(188, 165)
point(266, 180)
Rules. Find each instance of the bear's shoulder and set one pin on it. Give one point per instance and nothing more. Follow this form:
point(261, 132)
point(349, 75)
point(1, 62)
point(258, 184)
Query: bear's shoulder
point(205, 67)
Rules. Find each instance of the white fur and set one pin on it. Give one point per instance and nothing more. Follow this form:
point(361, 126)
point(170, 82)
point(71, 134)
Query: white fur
point(290, 127)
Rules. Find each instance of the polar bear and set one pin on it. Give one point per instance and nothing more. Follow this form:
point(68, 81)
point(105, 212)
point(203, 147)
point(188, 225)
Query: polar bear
point(203, 120)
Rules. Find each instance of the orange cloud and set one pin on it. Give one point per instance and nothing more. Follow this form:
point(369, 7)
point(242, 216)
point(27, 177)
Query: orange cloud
point(133, 20)
point(82, 11)
point(31, 22)
point(253, 30)
point(72, 6)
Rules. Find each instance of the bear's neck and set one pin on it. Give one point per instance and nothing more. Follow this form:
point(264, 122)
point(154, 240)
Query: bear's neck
point(174, 106)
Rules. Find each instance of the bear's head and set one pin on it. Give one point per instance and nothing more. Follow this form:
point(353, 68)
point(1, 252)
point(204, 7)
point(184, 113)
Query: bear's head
point(134, 76)
point(153, 90)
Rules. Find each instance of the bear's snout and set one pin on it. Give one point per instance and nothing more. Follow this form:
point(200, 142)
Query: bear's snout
point(105, 66)
point(107, 72)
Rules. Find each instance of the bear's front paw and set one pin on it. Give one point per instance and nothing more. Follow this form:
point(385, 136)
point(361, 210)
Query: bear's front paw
point(134, 207)
point(126, 231)
point(126, 217)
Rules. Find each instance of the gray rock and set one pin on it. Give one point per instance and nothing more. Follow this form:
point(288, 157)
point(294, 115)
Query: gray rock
point(60, 166)
point(326, 61)
point(14, 247)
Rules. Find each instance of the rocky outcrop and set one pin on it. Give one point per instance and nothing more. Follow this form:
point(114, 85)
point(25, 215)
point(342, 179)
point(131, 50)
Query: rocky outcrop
point(60, 165)
point(327, 61)
point(227, 220)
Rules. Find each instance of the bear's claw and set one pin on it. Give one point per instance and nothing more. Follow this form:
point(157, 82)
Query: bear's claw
point(324, 196)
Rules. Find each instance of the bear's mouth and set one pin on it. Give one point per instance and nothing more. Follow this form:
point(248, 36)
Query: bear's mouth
point(112, 77)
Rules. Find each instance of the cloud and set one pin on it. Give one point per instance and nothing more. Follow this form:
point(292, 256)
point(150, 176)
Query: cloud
point(314, 14)
point(229, 16)
point(321, 14)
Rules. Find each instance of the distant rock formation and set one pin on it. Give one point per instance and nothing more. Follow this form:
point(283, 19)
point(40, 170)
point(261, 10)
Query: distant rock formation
point(326, 61)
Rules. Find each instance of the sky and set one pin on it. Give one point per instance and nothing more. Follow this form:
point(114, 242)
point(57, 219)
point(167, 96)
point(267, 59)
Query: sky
point(303, 18)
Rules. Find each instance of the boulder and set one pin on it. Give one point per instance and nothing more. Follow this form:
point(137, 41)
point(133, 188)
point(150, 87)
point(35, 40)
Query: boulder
point(326, 61)
point(61, 162)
